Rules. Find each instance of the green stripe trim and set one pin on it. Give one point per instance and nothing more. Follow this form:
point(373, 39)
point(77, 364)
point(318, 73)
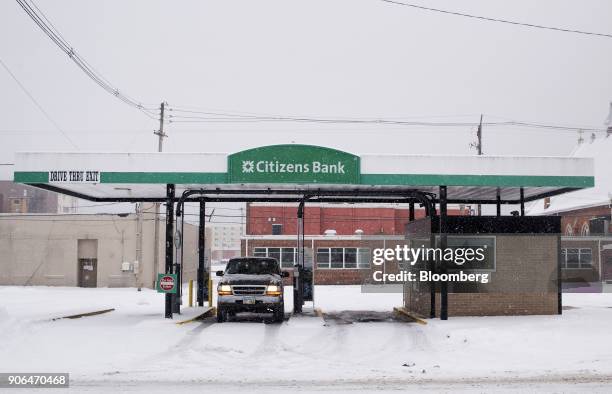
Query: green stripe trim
point(366, 179)
point(136, 177)
point(31, 177)
point(477, 180)
point(164, 177)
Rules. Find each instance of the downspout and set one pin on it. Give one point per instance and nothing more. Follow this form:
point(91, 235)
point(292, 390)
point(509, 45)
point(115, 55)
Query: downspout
point(600, 265)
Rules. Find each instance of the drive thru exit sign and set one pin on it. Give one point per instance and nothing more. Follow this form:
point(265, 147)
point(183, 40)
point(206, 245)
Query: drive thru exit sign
point(166, 283)
point(293, 164)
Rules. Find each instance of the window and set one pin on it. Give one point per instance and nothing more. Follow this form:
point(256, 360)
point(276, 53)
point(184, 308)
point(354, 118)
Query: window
point(576, 258)
point(277, 229)
point(323, 258)
point(363, 257)
point(260, 252)
point(274, 252)
point(337, 257)
point(288, 257)
point(343, 258)
point(285, 256)
point(350, 258)
point(585, 230)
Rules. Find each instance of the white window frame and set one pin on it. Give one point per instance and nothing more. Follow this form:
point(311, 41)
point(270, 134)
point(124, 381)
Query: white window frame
point(581, 265)
point(359, 252)
point(267, 253)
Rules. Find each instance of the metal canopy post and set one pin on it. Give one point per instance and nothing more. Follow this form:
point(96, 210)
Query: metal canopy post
point(443, 284)
point(298, 273)
point(178, 261)
point(411, 211)
point(430, 211)
point(169, 243)
point(522, 200)
point(498, 203)
point(201, 253)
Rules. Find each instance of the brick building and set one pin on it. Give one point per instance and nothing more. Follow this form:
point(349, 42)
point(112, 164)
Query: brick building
point(339, 239)
point(586, 241)
point(18, 198)
point(521, 262)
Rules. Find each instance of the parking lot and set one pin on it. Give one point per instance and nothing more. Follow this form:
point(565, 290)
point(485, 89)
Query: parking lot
point(356, 341)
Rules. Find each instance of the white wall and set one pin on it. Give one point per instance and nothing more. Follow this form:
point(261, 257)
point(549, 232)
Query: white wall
point(42, 249)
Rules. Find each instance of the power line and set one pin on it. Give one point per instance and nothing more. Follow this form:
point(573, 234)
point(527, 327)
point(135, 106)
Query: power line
point(49, 29)
point(562, 29)
point(224, 117)
point(40, 108)
point(35, 13)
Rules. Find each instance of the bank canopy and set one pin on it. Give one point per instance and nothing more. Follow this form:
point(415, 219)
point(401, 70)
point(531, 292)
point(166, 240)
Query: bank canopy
point(294, 171)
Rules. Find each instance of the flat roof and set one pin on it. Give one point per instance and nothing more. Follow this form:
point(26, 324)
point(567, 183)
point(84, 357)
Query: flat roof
point(289, 171)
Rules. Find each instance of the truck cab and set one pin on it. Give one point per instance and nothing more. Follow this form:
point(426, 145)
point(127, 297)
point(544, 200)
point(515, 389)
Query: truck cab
point(251, 284)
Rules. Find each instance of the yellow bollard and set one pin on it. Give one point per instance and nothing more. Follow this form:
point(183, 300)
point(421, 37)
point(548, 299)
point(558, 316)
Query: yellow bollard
point(210, 292)
point(190, 293)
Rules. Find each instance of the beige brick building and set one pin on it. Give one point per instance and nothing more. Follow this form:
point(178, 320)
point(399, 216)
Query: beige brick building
point(100, 250)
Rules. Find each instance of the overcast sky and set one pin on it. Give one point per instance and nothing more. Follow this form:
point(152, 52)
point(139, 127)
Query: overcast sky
point(332, 58)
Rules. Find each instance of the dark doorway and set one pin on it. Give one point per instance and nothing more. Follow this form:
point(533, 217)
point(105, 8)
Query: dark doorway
point(87, 269)
point(88, 272)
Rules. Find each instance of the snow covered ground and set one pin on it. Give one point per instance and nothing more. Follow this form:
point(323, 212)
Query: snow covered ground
point(135, 349)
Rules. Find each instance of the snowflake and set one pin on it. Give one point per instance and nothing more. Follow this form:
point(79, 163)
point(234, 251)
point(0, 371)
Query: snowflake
point(248, 166)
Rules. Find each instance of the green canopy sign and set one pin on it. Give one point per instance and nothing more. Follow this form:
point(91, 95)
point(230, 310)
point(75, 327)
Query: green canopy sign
point(293, 164)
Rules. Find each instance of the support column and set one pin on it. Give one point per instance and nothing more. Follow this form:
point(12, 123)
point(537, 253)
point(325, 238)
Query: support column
point(298, 284)
point(177, 298)
point(498, 203)
point(522, 198)
point(201, 253)
point(430, 211)
point(169, 242)
point(443, 284)
point(411, 211)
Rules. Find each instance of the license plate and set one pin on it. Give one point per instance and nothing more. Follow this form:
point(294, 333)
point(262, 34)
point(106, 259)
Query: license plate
point(249, 300)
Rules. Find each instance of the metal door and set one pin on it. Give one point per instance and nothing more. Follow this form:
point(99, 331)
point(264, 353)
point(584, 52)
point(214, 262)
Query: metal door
point(88, 273)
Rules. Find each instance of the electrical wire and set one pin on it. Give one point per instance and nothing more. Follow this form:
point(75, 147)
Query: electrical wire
point(37, 104)
point(484, 18)
point(49, 29)
point(36, 14)
point(225, 117)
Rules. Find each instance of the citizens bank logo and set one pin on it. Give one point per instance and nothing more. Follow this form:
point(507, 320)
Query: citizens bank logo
point(248, 166)
point(278, 167)
point(293, 164)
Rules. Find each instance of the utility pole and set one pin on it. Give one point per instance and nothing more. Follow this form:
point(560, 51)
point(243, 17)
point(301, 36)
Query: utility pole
point(479, 150)
point(160, 134)
point(137, 267)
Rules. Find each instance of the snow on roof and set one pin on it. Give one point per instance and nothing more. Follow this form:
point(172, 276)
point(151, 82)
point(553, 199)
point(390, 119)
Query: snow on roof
point(600, 149)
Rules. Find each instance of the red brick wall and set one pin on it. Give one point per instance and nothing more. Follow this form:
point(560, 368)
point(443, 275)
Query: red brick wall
point(577, 218)
point(345, 221)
